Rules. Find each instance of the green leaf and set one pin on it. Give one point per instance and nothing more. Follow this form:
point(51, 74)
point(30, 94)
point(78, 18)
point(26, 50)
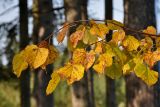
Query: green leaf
point(130, 43)
point(114, 71)
point(88, 38)
point(142, 71)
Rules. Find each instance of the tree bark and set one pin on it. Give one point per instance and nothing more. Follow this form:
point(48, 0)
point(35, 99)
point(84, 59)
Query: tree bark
point(43, 27)
point(157, 87)
point(110, 83)
point(82, 91)
point(24, 40)
point(138, 15)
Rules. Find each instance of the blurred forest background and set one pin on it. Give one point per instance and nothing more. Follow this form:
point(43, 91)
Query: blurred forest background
point(24, 22)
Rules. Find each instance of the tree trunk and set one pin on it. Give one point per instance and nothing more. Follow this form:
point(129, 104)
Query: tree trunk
point(138, 15)
point(24, 40)
point(43, 27)
point(82, 91)
point(110, 83)
point(157, 87)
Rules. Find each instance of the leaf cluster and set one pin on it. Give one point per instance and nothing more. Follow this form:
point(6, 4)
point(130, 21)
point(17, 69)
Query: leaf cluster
point(121, 55)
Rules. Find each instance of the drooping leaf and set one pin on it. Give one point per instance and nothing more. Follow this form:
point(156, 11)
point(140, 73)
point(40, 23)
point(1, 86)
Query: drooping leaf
point(150, 30)
point(98, 48)
point(114, 25)
point(71, 72)
point(131, 43)
point(147, 43)
point(35, 56)
point(104, 60)
point(89, 38)
point(19, 64)
point(128, 67)
point(99, 29)
point(80, 56)
point(53, 54)
point(62, 33)
point(109, 50)
point(114, 71)
point(150, 77)
point(151, 57)
point(76, 36)
point(119, 54)
point(118, 36)
point(55, 79)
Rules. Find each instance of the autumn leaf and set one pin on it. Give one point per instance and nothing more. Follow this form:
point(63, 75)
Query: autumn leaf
point(19, 64)
point(131, 43)
point(71, 72)
point(114, 71)
point(89, 38)
point(114, 25)
point(147, 43)
point(118, 36)
point(55, 79)
point(99, 29)
point(62, 33)
point(151, 57)
point(150, 30)
point(35, 56)
point(119, 54)
point(53, 54)
point(80, 56)
point(104, 60)
point(150, 77)
point(76, 36)
point(98, 48)
point(128, 67)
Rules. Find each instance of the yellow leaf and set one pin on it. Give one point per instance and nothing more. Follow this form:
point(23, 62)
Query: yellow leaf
point(99, 29)
point(150, 77)
point(150, 30)
point(131, 43)
point(35, 56)
point(118, 36)
point(104, 60)
point(147, 43)
point(80, 56)
point(114, 71)
point(53, 54)
point(119, 54)
point(89, 38)
point(98, 48)
point(76, 36)
point(55, 79)
point(19, 64)
point(90, 58)
point(62, 33)
point(151, 57)
point(71, 72)
point(128, 67)
point(114, 25)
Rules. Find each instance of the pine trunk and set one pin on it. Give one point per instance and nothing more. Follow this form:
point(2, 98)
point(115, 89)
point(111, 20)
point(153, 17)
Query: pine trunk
point(110, 83)
point(138, 15)
point(82, 91)
point(43, 27)
point(24, 40)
